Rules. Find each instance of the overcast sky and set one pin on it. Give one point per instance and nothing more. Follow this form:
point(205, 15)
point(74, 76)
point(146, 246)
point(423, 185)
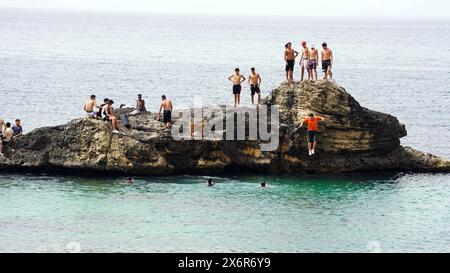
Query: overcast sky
point(395, 8)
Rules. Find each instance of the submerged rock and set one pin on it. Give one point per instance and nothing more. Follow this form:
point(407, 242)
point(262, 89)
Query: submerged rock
point(352, 138)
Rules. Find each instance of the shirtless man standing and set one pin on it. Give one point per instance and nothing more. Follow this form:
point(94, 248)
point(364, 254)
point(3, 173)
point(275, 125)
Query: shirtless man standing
point(289, 58)
point(237, 80)
point(313, 60)
point(90, 105)
point(304, 61)
point(327, 61)
point(166, 105)
point(255, 82)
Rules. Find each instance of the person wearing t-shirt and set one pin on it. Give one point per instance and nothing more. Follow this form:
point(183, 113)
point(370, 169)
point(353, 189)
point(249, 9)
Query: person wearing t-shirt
point(312, 123)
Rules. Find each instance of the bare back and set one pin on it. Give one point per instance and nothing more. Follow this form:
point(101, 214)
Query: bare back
point(166, 104)
point(89, 105)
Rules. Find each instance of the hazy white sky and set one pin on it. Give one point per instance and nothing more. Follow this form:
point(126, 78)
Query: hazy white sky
point(396, 8)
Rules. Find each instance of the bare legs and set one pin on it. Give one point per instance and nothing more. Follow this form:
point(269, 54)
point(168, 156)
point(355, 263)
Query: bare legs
point(237, 100)
point(259, 99)
point(328, 73)
point(115, 123)
point(314, 74)
point(312, 147)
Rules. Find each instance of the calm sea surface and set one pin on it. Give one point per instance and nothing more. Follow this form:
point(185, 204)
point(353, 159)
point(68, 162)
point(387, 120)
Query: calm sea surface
point(50, 62)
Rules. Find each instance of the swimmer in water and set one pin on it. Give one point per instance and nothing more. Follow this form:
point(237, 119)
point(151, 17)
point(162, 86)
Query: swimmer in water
point(263, 184)
point(129, 180)
point(210, 182)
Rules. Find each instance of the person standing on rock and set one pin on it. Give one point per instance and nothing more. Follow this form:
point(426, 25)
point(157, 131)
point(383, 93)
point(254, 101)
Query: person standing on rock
point(90, 105)
point(312, 132)
point(304, 61)
point(313, 60)
point(237, 80)
point(255, 82)
point(327, 61)
point(289, 58)
point(166, 105)
point(108, 111)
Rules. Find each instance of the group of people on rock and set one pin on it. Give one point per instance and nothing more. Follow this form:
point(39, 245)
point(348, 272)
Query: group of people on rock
point(106, 111)
point(8, 133)
point(309, 60)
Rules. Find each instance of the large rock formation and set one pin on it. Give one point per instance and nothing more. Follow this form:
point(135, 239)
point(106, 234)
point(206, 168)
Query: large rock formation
point(352, 138)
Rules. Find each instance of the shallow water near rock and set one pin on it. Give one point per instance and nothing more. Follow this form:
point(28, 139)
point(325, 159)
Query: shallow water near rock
point(363, 212)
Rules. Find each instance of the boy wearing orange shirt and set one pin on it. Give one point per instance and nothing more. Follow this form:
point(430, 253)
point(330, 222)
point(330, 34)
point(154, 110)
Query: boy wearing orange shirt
point(312, 122)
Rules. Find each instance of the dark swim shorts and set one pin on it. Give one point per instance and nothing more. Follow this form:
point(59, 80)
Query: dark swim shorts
point(254, 89)
point(312, 136)
point(237, 89)
point(325, 65)
point(290, 65)
point(167, 116)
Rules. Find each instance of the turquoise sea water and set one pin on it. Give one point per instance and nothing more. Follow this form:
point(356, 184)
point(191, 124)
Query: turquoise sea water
point(358, 213)
point(51, 61)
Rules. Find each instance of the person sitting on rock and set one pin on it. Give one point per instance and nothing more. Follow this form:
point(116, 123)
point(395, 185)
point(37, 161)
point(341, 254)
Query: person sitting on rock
point(90, 105)
point(100, 111)
point(108, 111)
point(312, 122)
point(140, 106)
point(17, 129)
point(166, 105)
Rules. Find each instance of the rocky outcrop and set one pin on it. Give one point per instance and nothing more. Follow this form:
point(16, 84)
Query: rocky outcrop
point(352, 138)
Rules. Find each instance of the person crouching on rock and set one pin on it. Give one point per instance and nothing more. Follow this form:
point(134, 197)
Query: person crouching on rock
point(166, 105)
point(108, 111)
point(312, 122)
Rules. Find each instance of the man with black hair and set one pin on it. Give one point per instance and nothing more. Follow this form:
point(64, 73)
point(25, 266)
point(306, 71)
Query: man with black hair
point(90, 105)
point(289, 58)
point(237, 80)
point(327, 61)
point(255, 82)
point(166, 107)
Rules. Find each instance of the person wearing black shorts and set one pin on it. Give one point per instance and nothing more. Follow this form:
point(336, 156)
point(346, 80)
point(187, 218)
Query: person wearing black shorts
point(255, 82)
point(237, 80)
point(327, 61)
point(289, 58)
